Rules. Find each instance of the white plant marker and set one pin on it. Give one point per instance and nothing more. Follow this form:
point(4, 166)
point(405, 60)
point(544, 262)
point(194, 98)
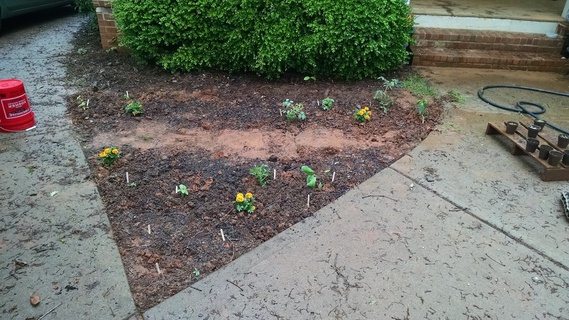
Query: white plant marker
point(308, 202)
point(149, 231)
point(333, 176)
point(158, 268)
point(176, 189)
point(87, 105)
point(274, 174)
point(222, 235)
point(127, 178)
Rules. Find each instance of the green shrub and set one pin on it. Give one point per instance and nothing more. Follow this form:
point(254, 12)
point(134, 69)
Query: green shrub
point(85, 6)
point(343, 39)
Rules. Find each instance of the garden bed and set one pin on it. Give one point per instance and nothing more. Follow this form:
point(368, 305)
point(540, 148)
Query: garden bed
point(206, 131)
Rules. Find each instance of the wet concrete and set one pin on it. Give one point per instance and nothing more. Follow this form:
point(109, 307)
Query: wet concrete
point(55, 238)
point(459, 228)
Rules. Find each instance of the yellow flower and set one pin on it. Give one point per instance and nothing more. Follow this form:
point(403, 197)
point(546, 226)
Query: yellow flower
point(361, 113)
point(369, 113)
point(102, 154)
point(366, 117)
point(239, 198)
point(115, 151)
point(366, 109)
point(249, 195)
point(253, 208)
point(107, 151)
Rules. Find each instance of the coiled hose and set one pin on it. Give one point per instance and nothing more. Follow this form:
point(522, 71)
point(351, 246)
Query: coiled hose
point(520, 105)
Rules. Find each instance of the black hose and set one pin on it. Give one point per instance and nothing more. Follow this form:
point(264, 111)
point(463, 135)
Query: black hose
point(520, 104)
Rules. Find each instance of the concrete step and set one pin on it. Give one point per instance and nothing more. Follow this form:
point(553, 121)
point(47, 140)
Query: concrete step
point(489, 59)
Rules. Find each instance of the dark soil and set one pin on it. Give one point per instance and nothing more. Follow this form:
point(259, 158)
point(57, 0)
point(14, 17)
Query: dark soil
point(207, 130)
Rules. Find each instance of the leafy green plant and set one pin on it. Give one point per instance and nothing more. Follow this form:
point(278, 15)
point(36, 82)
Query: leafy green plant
point(362, 115)
point(308, 78)
point(419, 86)
point(134, 108)
point(82, 103)
point(422, 105)
point(244, 203)
point(456, 97)
point(311, 37)
point(389, 84)
point(383, 99)
point(109, 155)
point(310, 177)
point(196, 272)
point(183, 190)
point(327, 103)
point(293, 110)
point(261, 173)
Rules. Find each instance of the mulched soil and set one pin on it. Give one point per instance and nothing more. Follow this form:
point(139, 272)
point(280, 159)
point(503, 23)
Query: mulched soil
point(206, 130)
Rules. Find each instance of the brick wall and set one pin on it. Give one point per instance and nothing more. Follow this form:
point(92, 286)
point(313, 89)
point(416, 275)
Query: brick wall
point(107, 25)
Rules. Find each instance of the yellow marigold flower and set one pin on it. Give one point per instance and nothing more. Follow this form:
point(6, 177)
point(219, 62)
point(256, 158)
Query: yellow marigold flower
point(366, 117)
point(115, 151)
point(102, 154)
point(107, 151)
point(253, 208)
point(249, 195)
point(366, 109)
point(239, 198)
point(361, 113)
point(369, 113)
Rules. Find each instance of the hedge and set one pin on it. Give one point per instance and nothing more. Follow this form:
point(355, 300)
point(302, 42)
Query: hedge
point(338, 38)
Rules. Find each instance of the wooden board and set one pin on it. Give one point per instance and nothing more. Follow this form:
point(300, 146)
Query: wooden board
point(518, 140)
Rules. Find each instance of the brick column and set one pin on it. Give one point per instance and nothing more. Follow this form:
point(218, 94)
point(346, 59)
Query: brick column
point(107, 26)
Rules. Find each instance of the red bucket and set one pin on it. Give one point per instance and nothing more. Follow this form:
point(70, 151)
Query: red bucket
point(15, 112)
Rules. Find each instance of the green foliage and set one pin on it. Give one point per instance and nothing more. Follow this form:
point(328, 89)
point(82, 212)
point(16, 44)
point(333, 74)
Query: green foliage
point(183, 190)
point(422, 105)
point(456, 97)
point(293, 110)
point(82, 103)
point(341, 39)
point(261, 173)
point(310, 177)
point(383, 99)
point(84, 6)
point(134, 108)
point(419, 86)
point(327, 103)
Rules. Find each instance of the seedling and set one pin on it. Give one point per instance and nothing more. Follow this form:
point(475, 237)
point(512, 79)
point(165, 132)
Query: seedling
point(308, 78)
point(183, 190)
point(422, 104)
point(310, 177)
point(327, 103)
point(383, 99)
point(389, 84)
point(293, 110)
point(261, 173)
point(134, 108)
point(82, 103)
point(126, 96)
point(196, 272)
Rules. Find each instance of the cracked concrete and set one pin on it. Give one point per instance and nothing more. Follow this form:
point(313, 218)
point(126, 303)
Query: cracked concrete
point(55, 238)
